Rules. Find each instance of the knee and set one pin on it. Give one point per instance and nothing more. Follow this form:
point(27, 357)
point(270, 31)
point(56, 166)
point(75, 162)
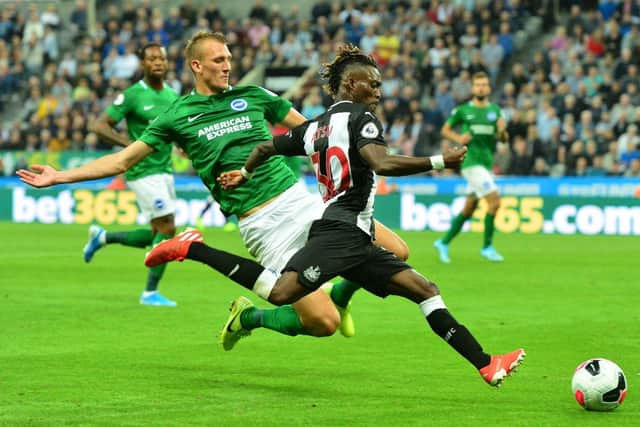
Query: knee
point(323, 326)
point(279, 296)
point(427, 289)
point(169, 230)
point(165, 228)
point(402, 251)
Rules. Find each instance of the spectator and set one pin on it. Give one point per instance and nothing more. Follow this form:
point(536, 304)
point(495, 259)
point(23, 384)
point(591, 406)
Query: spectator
point(581, 167)
point(540, 167)
point(387, 46)
point(521, 160)
point(125, 66)
point(623, 110)
point(257, 32)
point(33, 28)
point(312, 104)
point(368, 41)
point(493, 54)
point(547, 120)
point(595, 44)
point(633, 171)
point(189, 13)
point(505, 38)
point(174, 26)
point(631, 40)
point(502, 159)
point(596, 169)
point(50, 17)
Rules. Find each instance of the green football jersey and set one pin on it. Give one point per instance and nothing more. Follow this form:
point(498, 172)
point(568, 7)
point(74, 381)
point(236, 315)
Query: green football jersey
point(139, 104)
point(482, 123)
point(218, 133)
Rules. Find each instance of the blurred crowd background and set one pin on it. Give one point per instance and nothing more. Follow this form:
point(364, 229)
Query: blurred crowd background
point(565, 73)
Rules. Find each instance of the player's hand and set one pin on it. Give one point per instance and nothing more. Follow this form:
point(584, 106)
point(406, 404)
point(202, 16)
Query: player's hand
point(39, 176)
point(454, 156)
point(465, 138)
point(231, 179)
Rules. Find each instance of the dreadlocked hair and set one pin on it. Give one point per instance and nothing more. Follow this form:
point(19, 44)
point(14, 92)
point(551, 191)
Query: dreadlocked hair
point(348, 54)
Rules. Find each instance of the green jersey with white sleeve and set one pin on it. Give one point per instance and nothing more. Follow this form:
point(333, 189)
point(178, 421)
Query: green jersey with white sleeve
point(218, 133)
point(139, 104)
point(482, 123)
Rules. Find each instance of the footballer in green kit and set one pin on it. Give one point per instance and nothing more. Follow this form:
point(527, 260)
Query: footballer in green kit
point(151, 179)
point(218, 126)
point(481, 125)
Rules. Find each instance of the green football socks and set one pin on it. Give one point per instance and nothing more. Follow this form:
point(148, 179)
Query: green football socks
point(283, 319)
point(489, 228)
point(137, 238)
point(342, 292)
point(456, 226)
point(156, 273)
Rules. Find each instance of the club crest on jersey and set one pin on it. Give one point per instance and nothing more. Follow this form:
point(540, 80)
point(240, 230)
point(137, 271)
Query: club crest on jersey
point(369, 131)
point(492, 116)
point(158, 203)
point(312, 274)
point(238, 104)
point(119, 99)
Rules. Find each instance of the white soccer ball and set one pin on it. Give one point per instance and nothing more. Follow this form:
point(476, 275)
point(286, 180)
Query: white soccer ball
point(599, 385)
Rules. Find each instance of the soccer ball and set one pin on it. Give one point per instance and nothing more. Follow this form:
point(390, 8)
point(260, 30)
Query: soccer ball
point(599, 385)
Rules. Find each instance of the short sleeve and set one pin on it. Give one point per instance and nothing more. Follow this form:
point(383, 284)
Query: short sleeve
point(275, 107)
point(367, 129)
point(158, 132)
point(120, 107)
point(455, 117)
point(292, 142)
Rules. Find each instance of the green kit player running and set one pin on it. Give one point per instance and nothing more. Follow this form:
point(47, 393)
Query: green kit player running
point(218, 126)
point(151, 179)
point(482, 124)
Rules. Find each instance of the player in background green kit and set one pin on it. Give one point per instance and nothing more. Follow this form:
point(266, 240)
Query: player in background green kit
point(151, 179)
point(482, 124)
point(218, 126)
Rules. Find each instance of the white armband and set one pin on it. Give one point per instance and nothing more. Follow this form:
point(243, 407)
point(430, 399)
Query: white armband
point(437, 162)
point(247, 175)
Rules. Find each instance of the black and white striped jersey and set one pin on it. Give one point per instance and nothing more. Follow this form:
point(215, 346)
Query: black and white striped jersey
point(332, 141)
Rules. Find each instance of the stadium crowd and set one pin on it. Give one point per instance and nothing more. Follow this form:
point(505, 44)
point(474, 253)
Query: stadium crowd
point(571, 100)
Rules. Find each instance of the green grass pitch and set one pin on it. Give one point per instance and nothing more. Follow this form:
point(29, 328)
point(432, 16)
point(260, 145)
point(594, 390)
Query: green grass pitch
point(76, 348)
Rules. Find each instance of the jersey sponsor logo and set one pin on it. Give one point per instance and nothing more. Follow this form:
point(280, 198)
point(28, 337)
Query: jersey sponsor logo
point(148, 107)
point(192, 118)
point(469, 117)
point(312, 274)
point(158, 203)
point(492, 116)
point(119, 99)
point(482, 129)
point(238, 105)
point(370, 131)
point(236, 124)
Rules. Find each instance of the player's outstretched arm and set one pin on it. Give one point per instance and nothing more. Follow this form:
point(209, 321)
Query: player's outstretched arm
point(385, 164)
point(112, 164)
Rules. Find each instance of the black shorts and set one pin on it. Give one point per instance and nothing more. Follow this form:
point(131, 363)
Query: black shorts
point(336, 248)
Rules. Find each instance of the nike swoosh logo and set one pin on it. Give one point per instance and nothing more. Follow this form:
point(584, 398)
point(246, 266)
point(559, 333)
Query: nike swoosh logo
point(148, 107)
point(192, 118)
